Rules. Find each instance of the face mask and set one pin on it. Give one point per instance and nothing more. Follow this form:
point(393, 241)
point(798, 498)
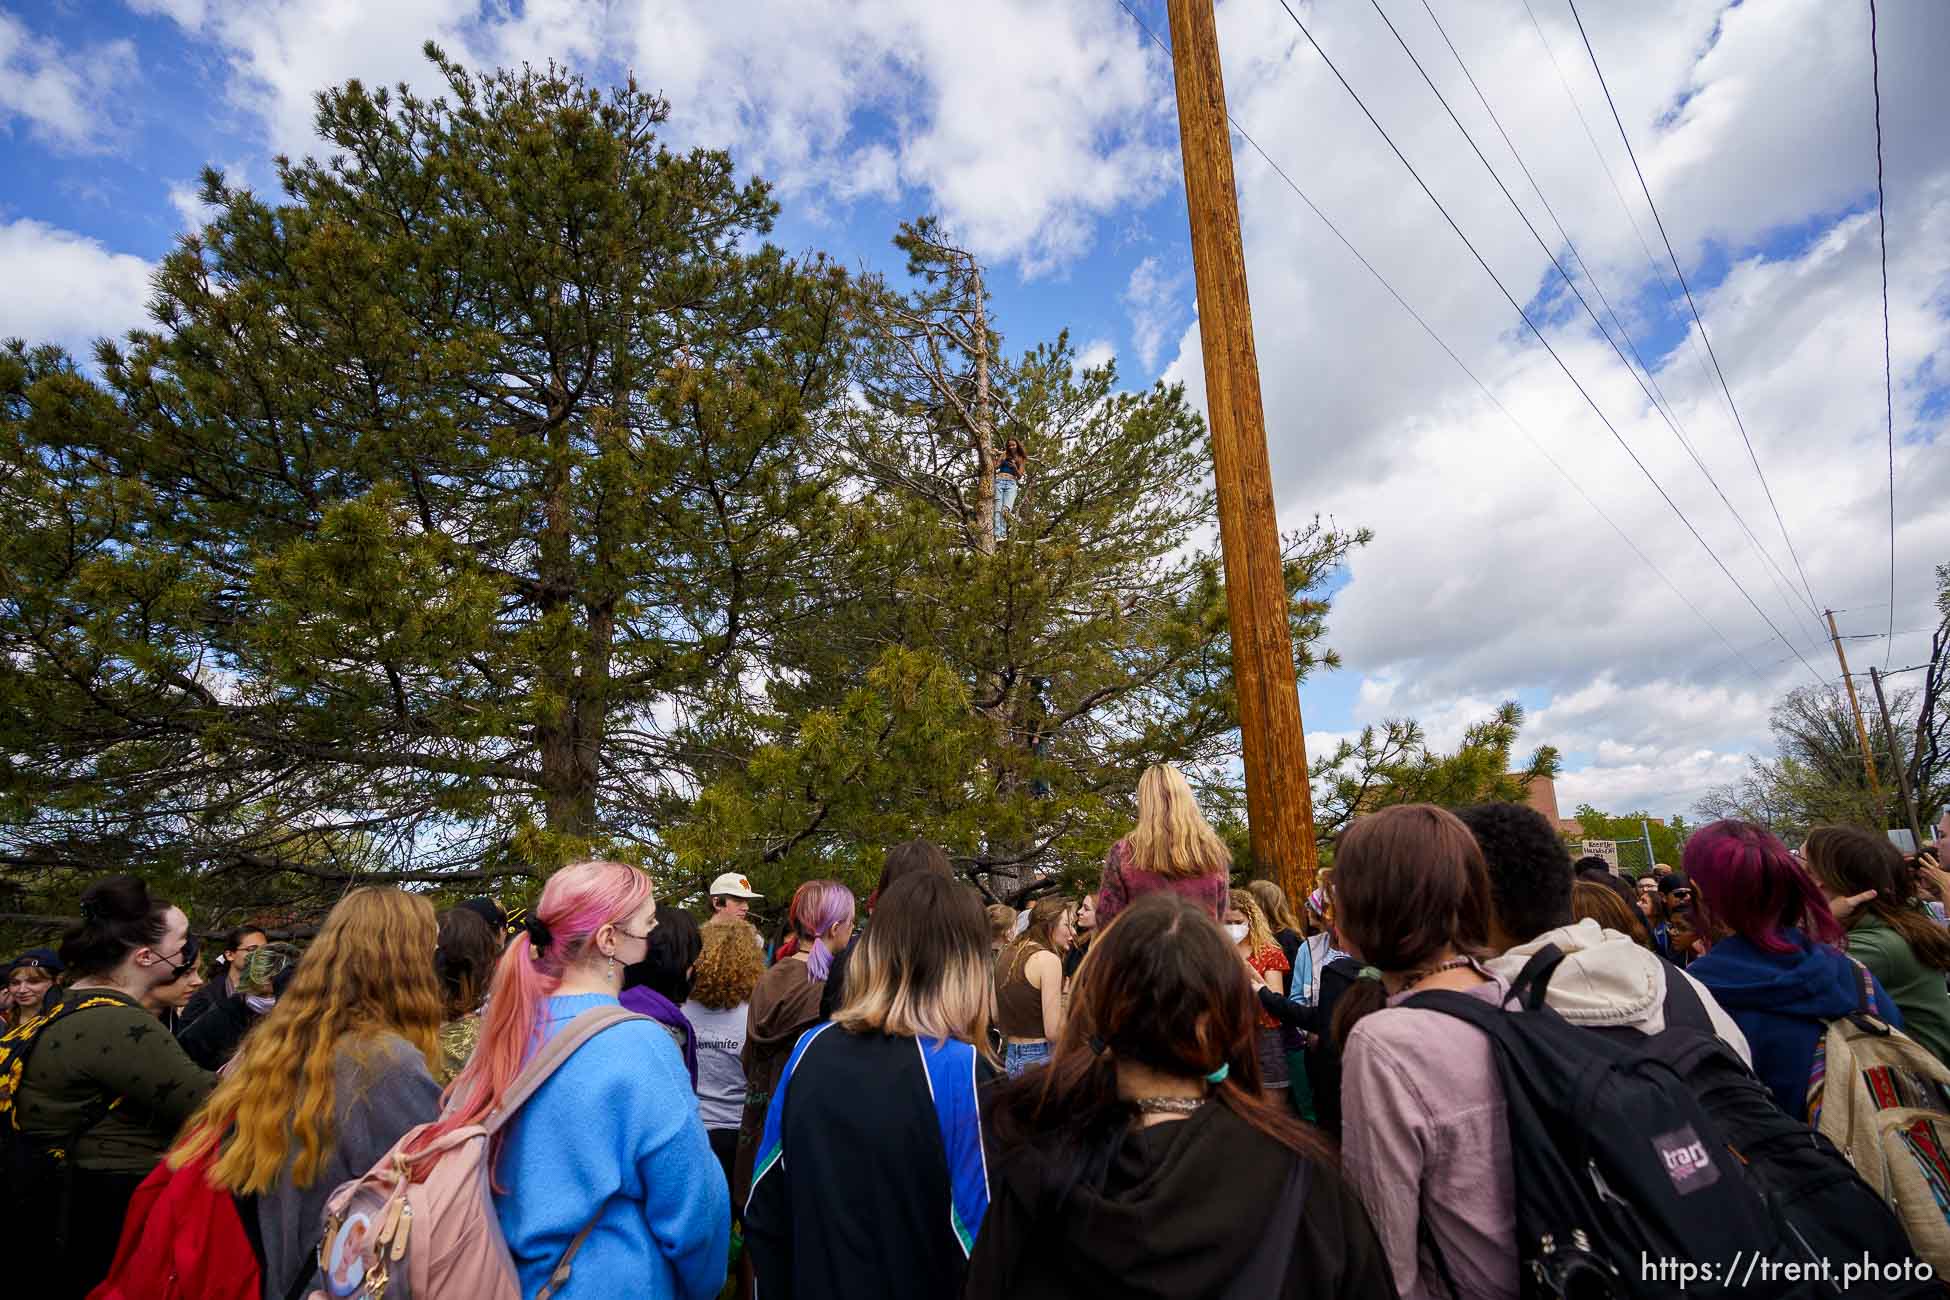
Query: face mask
point(1237, 932)
point(259, 1005)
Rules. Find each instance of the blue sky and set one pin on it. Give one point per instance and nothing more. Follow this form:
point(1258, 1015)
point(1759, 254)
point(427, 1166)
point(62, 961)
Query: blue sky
point(1044, 133)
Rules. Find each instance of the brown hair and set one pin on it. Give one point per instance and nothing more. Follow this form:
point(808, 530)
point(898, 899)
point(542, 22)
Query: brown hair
point(1162, 988)
point(1409, 885)
point(1848, 861)
point(729, 966)
point(469, 949)
point(1002, 922)
point(906, 858)
point(1591, 901)
point(923, 969)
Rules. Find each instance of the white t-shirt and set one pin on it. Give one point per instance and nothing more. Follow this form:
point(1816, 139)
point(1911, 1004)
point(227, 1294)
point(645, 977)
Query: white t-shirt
point(720, 1076)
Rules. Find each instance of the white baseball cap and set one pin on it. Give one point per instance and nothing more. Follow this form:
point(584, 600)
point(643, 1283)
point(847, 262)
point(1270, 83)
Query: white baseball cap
point(733, 885)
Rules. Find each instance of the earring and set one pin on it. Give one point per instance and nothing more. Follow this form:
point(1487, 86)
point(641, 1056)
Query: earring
point(609, 971)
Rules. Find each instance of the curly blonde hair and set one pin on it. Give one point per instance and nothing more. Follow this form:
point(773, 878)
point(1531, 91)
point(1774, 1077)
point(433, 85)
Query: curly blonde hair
point(369, 972)
point(729, 967)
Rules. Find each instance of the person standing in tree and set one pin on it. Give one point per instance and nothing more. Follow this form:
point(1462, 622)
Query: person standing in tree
point(1010, 475)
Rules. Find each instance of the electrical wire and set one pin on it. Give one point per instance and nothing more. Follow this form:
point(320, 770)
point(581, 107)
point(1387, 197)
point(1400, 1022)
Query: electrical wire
point(1541, 338)
point(1888, 381)
point(1690, 304)
point(1671, 423)
point(1460, 363)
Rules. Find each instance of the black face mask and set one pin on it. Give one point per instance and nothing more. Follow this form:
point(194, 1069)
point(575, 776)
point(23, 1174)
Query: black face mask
point(182, 963)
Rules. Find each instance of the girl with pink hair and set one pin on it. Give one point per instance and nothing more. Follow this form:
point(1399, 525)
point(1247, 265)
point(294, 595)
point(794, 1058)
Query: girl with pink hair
point(1775, 965)
point(641, 1177)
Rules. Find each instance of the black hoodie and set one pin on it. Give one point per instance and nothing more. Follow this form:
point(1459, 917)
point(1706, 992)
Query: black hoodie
point(1183, 1211)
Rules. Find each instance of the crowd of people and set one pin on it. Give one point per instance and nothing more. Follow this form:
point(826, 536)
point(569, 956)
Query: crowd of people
point(1170, 1085)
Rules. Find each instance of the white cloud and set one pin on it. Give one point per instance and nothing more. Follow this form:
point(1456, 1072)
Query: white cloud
point(1153, 299)
point(1021, 123)
point(1488, 571)
point(1096, 352)
point(68, 98)
point(186, 198)
point(66, 288)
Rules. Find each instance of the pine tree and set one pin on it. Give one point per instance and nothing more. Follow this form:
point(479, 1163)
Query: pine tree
point(445, 489)
point(1000, 697)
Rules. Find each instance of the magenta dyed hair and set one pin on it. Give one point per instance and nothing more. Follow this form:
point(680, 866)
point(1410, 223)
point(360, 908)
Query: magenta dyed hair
point(818, 906)
point(1745, 879)
point(577, 901)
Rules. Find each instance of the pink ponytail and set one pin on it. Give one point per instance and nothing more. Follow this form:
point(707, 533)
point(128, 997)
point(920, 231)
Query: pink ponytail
point(577, 901)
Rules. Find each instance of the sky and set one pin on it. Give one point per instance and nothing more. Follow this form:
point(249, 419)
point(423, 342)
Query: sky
point(1626, 572)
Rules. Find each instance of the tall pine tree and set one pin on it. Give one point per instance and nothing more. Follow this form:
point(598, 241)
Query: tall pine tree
point(445, 489)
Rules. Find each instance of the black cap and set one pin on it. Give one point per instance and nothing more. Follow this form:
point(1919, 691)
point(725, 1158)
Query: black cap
point(1677, 880)
point(490, 911)
point(44, 958)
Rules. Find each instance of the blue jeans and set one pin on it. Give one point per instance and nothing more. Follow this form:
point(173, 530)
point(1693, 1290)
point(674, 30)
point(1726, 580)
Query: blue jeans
point(1006, 488)
point(1017, 1057)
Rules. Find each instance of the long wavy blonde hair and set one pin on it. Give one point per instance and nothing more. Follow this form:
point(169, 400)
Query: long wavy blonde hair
point(1172, 837)
point(369, 972)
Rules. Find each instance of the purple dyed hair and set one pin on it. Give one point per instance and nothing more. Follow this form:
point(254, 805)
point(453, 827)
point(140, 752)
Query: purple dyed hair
point(818, 906)
point(1746, 880)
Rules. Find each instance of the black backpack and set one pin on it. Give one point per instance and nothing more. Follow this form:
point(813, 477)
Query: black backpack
point(1809, 1186)
point(1629, 1181)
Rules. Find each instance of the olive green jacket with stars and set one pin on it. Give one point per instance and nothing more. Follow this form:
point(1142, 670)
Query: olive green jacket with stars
point(114, 1050)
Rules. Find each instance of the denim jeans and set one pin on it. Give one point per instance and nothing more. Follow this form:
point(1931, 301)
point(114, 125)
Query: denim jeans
point(1017, 1057)
point(1006, 488)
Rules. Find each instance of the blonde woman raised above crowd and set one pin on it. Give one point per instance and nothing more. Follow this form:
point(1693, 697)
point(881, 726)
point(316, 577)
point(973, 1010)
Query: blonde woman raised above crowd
point(1172, 848)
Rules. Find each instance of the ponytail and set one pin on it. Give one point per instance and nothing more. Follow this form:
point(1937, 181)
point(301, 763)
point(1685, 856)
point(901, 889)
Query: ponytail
point(577, 901)
point(1365, 996)
point(118, 915)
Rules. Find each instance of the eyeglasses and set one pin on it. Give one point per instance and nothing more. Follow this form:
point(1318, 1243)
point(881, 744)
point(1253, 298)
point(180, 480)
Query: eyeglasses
point(1682, 893)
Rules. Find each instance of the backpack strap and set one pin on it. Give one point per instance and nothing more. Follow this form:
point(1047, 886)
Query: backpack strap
point(533, 1075)
point(552, 1054)
point(950, 1070)
point(1534, 980)
point(1683, 1006)
point(1265, 1270)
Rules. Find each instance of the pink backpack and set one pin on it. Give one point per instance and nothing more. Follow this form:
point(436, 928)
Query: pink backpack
point(404, 1230)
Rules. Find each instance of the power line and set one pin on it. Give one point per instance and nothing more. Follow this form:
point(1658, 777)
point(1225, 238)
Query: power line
point(1690, 304)
point(1670, 421)
point(1521, 311)
point(1888, 382)
point(1462, 365)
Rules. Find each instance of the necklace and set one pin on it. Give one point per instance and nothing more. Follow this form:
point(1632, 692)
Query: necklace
point(1168, 1105)
point(1415, 977)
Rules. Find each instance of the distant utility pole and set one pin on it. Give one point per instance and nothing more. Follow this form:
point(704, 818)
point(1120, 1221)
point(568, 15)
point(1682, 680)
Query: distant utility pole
point(1855, 707)
point(1279, 803)
point(1902, 768)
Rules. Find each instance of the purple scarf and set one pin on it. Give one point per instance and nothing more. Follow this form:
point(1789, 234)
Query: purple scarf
point(648, 1002)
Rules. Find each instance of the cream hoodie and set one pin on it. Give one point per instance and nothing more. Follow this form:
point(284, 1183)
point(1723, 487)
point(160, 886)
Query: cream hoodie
point(1607, 979)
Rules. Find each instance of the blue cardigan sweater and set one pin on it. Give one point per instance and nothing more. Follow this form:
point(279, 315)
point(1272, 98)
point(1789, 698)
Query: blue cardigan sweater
point(616, 1126)
point(1783, 1003)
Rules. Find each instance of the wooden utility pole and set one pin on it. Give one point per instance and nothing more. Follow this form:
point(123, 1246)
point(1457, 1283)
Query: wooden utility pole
point(1279, 804)
point(1855, 707)
point(1902, 768)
